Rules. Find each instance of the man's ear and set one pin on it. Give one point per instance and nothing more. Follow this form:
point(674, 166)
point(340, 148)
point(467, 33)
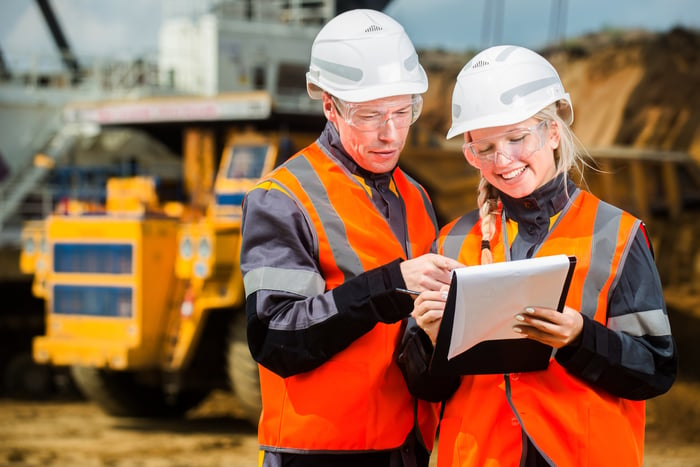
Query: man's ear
point(328, 107)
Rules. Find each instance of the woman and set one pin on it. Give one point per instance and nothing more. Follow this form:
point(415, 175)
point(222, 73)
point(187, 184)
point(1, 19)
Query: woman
point(612, 343)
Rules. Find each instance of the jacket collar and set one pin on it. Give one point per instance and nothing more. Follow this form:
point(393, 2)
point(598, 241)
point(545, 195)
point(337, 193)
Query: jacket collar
point(533, 212)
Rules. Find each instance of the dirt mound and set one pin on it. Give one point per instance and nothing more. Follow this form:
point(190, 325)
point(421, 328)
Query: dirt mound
point(630, 88)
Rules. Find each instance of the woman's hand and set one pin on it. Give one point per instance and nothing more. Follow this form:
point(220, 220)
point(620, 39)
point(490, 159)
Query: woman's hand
point(550, 326)
point(427, 311)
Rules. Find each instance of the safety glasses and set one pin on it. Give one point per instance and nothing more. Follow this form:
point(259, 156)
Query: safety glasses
point(372, 118)
point(515, 144)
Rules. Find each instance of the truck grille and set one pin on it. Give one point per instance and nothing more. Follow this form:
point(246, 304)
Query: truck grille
point(229, 199)
point(92, 300)
point(93, 258)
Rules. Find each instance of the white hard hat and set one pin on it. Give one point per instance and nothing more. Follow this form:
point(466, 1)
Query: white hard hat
point(503, 85)
point(362, 55)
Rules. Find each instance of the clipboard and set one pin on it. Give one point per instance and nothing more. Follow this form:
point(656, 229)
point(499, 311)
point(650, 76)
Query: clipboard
point(542, 281)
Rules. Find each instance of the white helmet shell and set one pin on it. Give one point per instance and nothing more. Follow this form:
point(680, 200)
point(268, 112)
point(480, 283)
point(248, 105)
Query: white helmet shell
point(362, 55)
point(503, 85)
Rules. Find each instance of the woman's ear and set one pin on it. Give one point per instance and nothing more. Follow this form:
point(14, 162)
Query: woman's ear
point(554, 134)
point(473, 161)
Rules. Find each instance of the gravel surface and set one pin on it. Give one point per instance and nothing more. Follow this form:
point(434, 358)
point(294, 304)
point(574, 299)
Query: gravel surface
point(76, 433)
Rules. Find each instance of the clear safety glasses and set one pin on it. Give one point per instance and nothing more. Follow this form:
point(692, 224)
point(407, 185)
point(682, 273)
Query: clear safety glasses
point(370, 118)
point(515, 144)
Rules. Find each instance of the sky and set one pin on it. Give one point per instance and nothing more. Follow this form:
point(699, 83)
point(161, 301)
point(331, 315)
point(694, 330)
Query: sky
point(129, 28)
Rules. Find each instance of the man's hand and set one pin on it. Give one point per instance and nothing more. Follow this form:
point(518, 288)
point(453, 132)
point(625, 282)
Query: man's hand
point(428, 272)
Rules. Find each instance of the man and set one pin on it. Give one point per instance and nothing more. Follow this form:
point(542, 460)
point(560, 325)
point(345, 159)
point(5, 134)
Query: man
point(327, 239)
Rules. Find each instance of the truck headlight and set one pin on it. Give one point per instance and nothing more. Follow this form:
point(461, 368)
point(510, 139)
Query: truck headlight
point(204, 248)
point(28, 245)
point(186, 247)
point(201, 270)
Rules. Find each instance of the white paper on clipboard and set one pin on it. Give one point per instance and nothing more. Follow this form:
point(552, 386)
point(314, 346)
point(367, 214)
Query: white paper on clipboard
point(489, 296)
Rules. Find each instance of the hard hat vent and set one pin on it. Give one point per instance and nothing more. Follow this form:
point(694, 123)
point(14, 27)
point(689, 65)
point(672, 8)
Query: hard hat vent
point(374, 28)
point(504, 85)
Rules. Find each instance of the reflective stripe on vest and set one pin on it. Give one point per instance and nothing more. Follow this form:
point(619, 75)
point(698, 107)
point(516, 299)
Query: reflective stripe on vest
point(358, 400)
point(569, 421)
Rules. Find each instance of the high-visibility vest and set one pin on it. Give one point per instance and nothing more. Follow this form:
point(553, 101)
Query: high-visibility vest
point(357, 400)
point(571, 422)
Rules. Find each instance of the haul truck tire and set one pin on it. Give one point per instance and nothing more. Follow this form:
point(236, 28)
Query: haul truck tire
point(24, 378)
point(243, 370)
point(121, 394)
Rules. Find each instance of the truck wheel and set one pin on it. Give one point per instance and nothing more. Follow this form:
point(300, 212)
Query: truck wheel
point(26, 379)
point(122, 394)
point(243, 370)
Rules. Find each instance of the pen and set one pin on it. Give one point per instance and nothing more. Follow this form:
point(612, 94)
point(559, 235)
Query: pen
point(407, 292)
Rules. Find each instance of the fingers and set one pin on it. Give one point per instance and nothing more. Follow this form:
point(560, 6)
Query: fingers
point(451, 264)
point(549, 326)
point(428, 272)
point(429, 322)
point(428, 318)
point(427, 301)
point(428, 310)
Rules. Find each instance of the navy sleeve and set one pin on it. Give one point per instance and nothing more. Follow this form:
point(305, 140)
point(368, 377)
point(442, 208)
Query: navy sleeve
point(298, 325)
point(414, 361)
point(634, 356)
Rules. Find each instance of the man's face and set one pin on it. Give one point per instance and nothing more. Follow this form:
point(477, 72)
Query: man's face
point(374, 132)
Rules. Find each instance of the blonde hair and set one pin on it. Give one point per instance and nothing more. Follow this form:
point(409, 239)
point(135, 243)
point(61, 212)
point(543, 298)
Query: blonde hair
point(569, 155)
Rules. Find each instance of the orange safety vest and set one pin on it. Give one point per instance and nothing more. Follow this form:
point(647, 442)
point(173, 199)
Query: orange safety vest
point(358, 400)
point(570, 422)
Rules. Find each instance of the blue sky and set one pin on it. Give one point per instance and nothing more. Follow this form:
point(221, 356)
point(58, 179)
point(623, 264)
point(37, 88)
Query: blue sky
point(128, 28)
point(459, 24)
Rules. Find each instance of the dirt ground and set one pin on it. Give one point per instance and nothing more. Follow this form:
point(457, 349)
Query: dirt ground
point(77, 433)
point(69, 432)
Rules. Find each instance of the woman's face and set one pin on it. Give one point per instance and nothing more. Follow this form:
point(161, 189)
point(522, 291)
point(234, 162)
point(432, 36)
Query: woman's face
point(516, 159)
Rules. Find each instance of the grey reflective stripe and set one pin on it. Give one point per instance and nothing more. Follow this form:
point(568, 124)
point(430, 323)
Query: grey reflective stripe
point(345, 257)
point(411, 62)
point(505, 53)
point(305, 283)
point(525, 434)
point(605, 232)
point(300, 205)
point(344, 71)
point(642, 323)
point(452, 245)
point(625, 253)
point(527, 88)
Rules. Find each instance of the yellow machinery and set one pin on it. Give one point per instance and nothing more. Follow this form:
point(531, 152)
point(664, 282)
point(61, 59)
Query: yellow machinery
point(144, 299)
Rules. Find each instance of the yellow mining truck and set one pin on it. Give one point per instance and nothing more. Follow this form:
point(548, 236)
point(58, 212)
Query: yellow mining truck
point(143, 293)
point(144, 298)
